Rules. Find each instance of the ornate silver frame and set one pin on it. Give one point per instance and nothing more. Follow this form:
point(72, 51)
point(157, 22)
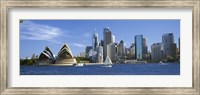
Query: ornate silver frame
point(5, 5)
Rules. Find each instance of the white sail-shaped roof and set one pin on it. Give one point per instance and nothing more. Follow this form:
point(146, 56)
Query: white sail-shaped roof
point(46, 53)
point(65, 50)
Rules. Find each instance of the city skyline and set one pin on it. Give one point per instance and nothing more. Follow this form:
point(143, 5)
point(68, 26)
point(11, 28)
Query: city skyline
point(35, 35)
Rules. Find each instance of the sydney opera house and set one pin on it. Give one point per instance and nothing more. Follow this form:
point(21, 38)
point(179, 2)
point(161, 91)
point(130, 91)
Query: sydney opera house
point(46, 57)
point(64, 57)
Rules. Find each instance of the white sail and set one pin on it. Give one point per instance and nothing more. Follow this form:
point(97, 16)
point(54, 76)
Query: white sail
point(108, 61)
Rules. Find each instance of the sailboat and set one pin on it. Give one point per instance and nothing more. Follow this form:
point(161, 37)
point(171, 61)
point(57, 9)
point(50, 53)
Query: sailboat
point(108, 62)
point(161, 62)
point(79, 65)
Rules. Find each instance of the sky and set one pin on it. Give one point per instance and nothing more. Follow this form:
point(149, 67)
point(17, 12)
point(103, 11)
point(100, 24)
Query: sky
point(35, 35)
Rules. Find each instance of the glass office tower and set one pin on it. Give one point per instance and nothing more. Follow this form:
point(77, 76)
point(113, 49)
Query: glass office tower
point(138, 46)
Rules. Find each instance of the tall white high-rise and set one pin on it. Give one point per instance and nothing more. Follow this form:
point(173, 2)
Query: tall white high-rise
point(111, 51)
point(113, 39)
point(99, 54)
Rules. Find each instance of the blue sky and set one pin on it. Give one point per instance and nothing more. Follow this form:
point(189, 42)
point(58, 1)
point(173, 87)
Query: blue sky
point(35, 35)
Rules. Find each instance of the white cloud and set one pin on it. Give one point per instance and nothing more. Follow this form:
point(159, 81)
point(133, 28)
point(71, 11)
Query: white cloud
point(87, 34)
point(79, 45)
point(54, 41)
point(33, 31)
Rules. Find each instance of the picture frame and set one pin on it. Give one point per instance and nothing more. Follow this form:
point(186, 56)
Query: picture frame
point(4, 51)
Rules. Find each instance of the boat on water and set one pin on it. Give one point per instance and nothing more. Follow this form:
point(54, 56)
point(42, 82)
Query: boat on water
point(108, 62)
point(79, 65)
point(162, 63)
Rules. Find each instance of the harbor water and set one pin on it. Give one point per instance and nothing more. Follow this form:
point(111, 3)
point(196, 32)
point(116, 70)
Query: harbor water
point(116, 69)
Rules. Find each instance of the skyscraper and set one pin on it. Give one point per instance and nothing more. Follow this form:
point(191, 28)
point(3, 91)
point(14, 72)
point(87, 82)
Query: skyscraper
point(138, 46)
point(144, 49)
point(94, 41)
point(144, 45)
point(101, 43)
point(179, 44)
point(87, 49)
point(113, 39)
point(99, 54)
point(132, 51)
point(107, 37)
point(156, 51)
point(121, 48)
point(168, 45)
point(111, 51)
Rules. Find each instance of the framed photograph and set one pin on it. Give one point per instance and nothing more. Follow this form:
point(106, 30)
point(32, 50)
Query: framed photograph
point(100, 47)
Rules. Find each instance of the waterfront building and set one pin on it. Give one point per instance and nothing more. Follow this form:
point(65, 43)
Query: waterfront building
point(65, 56)
point(94, 56)
point(101, 43)
point(144, 49)
point(90, 54)
point(174, 50)
point(168, 45)
point(156, 51)
point(127, 51)
point(87, 49)
point(107, 39)
point(94, 46)
point(113, 39)
point(33, 56)
point(132, 51)
point(138, 47)
point(179, 49)
point(179, 44)
point(111, 51)
point(46, 57)
point(121, 48)
point(27, 57)
point(82, 54)
point(94, 41)
point(144, 45)
point(99, 54)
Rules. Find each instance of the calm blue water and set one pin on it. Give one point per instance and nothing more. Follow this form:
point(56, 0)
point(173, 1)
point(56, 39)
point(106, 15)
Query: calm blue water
point(116, 69)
